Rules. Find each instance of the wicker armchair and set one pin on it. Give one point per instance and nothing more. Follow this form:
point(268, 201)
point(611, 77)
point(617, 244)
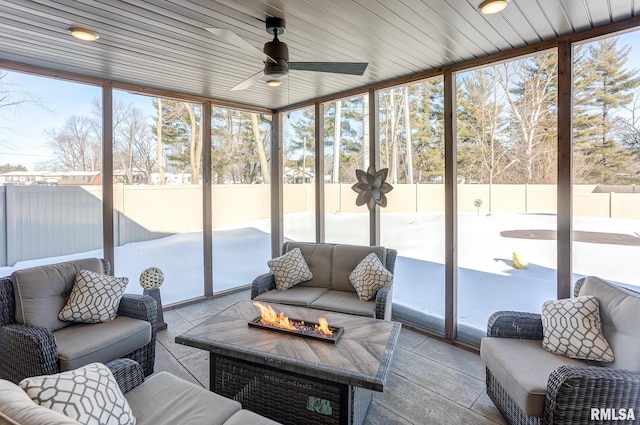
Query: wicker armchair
point(162, 399)
point(31, 351)
point(573, 390)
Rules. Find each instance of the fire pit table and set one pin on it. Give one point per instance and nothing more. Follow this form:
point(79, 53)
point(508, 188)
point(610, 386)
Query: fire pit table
point(292, 379)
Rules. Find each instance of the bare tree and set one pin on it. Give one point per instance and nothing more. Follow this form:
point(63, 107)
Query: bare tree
point(159, 156)
point(335, 175)
point(195, 147)
point(132, 150)
point(11, 99)
point(76, 145)
point(10, 95)
point(365, 132)
point(264, 165)
point(530, 89)
point(407, 132)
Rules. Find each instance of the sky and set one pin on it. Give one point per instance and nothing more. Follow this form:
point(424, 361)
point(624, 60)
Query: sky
point(23, 130)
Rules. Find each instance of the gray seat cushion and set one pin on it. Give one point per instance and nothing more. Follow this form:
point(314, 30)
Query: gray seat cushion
point(81, 344)
point(298, 295)
point(345, 302)
point(522, 367)
point(247, 417)
point(619, 309)
point(166, 399)
point(41, 292)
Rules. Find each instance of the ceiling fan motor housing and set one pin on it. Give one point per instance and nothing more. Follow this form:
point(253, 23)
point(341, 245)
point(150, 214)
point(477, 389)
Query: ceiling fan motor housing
point(279, 51)
point(276, 26)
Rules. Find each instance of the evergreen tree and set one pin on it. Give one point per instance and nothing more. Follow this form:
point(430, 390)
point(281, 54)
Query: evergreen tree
point(182, 136)
point(299, 144)
point(427, 127)
point(603, 85)
point(7, 168)
point(236, 157)
point(481, 147)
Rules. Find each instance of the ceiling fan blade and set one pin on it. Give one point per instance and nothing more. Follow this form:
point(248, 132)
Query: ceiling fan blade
point(249, 81)
point(353, 68)
point(234, 39)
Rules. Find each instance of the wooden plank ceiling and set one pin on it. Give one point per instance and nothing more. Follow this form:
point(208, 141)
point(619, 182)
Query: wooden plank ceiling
point(163, 44)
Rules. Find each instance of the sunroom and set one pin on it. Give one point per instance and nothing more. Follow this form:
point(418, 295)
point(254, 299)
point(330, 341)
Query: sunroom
point(511, 142)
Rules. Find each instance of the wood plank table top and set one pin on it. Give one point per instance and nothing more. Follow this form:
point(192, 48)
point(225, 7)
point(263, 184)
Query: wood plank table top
point(360, 358)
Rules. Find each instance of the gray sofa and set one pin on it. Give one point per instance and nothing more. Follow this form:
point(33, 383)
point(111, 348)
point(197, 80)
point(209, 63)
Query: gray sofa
point(33, 341)
point(330, 289)
point(531, 385)
point(163, 399)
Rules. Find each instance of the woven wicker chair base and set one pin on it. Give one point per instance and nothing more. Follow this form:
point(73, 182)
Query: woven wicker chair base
point(505, 404)
point(288, 398)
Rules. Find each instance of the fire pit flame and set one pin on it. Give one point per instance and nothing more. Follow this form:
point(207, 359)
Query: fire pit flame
point(323, 326)
point(268, 316)
point(271, 320)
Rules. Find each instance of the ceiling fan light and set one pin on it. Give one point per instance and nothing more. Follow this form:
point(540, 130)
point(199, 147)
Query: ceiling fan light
point(273, 83)
point(489, 7)
point(83, 34)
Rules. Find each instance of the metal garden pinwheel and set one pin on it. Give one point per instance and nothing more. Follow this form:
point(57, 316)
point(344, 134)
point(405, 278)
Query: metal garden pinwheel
point(371, 187)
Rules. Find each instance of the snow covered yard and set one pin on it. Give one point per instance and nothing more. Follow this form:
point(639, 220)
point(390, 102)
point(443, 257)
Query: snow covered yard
point(487, 280)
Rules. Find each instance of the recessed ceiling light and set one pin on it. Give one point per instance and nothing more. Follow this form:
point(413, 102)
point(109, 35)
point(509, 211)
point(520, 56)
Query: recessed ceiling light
point(83, 34)
point(274, 83)
point(489, 7)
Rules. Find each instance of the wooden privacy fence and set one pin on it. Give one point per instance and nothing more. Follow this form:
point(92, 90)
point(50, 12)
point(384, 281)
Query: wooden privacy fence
point(50, 221)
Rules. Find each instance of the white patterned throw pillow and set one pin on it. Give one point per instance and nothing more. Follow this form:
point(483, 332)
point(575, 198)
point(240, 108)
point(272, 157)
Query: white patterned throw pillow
point(369, 276)
point(289, 269)
point(89, 395)
point(95, 298)
point(572, 328)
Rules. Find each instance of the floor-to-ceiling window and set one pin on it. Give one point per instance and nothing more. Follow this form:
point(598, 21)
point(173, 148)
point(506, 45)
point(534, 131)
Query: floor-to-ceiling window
point(411, 124)
point(299, 175)
point(157, 192)
point(241, 183)
point(346, 149)
point(506, 189)
point(50, 171)
point(606, 158)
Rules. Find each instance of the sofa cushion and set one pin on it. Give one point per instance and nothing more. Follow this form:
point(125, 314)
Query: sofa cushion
point(619, 309)
point(166, 399)
point(16, 407)
point(89, 395)
point(345, 258)
point(318, 258)
point(247, 417)
point(300, 296)
point(42, 291)
point(289, 269)
point(369, 276)
point(95, 298)
point(571, 327)
point(81, 344)
point(345, 302)
point(522, 367)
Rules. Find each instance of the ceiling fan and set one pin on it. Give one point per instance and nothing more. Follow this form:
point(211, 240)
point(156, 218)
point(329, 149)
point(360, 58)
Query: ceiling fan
point(275, 55)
